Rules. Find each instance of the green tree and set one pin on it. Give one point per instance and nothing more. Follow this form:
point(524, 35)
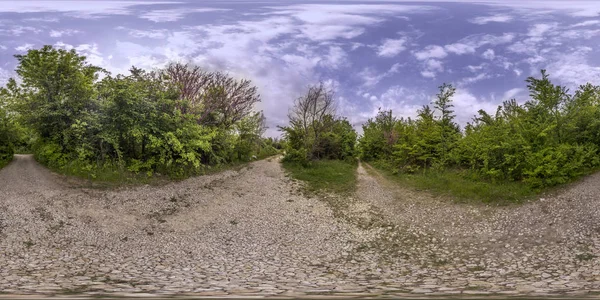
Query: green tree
point(56, 90)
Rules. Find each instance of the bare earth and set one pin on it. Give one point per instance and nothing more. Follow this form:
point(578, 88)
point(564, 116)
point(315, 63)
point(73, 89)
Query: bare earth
point(253, 233)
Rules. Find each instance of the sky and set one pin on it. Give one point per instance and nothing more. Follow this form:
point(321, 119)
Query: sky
point(373, 54)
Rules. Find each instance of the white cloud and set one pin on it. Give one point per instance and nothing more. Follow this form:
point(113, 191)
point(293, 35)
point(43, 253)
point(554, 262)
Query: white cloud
point(66, 32)
point(63, 45)
point(44, 19)
point(434, 65)
point(572, 68)
point(330, 32)
point(428, 74)
point(335, 58)
point(172, 15)
point(577, 34)
point(370, 77)
point(478, 68)
point(459, 48)
point(586, 23)
point(403, 101)
point(323, 22)
point(90, 51)
point(489, 54)
point(500, 18)
point(431, 51)
point(85, 9)
point(512, 93)
point(539, 30)
point(431, 55)
point(356, 46)
point(518, 72)
point(576, 8)
point(467, 105)
point(19, 30)
point(470, 44)
point(391, 47)
point(24, 47)
point(469, 80)
point(479, 40)
point(431, 67)
point(153, 33)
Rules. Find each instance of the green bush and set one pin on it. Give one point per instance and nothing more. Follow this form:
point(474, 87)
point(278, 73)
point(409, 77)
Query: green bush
point(142, 123)
point(296, 156)
point(549, 140)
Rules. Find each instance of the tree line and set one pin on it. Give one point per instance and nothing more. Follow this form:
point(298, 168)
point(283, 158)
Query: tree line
point(181, 119)
point(549, 140)
point(175, 121)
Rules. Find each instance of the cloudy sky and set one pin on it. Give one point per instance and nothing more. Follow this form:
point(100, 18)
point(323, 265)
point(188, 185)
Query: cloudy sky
point(376, 54)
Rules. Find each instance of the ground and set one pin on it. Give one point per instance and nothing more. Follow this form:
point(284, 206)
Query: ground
point(253, 232)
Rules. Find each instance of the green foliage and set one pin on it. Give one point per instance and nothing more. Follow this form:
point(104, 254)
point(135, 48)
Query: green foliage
point(325, 175)
point(315, 132)
point(337, 140)
point(142, 123)
point(413, 144)
point(549, 140)
point(9, 131)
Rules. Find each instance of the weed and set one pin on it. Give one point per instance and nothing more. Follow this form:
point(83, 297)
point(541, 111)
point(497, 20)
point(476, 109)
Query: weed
point(585, 256)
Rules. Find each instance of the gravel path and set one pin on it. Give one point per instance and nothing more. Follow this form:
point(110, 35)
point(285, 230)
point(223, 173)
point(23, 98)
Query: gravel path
point(254, 233)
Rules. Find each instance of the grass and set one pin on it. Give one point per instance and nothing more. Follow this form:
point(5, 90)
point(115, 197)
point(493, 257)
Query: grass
point(461, 187)
point(325, 175)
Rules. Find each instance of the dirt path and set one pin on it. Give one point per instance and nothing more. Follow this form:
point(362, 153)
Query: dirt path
point(570, 215)
point(232, 232)
point(550, 245)
point(253, 232)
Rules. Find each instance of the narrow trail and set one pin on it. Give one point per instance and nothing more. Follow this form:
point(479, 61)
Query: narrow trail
point(253, 232)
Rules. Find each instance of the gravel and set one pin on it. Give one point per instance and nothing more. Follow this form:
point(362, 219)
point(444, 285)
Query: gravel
point(253, 232)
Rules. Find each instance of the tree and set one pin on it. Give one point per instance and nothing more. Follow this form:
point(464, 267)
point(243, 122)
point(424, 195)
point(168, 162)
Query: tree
point(309, 112)
point(449, 130)
point(215, 98)
point(57, 88)
point(250, 131)
point(173, 121)
point(379, 136)
point(7, 129)
point(314, 131)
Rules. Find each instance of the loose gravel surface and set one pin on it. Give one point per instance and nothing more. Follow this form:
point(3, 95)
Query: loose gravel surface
point(253, 232)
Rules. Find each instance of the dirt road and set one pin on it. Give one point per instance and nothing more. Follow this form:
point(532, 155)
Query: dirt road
point(253, 232)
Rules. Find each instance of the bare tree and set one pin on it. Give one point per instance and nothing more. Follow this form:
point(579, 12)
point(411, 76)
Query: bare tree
point(190, 81)
point(230, 98)
point(216, 97)
point(309, 112)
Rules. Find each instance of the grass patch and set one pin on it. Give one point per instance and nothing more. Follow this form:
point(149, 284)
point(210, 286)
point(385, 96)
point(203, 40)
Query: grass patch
point(325, 175)
point(460, 186)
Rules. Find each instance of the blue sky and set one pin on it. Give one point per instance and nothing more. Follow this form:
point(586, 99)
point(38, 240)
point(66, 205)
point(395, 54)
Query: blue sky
point(375, 54)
